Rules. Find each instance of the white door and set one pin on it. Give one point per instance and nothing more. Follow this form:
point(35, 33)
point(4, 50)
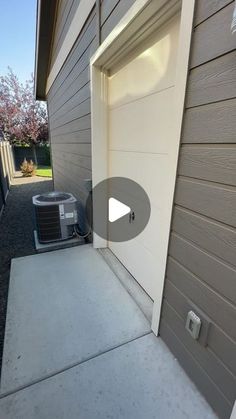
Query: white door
point(140, 109)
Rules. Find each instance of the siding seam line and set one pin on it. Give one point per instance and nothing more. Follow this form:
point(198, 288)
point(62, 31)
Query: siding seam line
point(74, 119)
point(213, 14)
point(57, 90)
point(64, 103)
point(73, 93)
point(205, 182)
point(218, 259)
point(210, 59)
point(74, 164)
point(210, 103)
point(59, 126)
point(73, 132)
point(67, 61)
point(217, 146)
point(103, 23)
point(203, 283)
point(206, 216)
point(84, 142)
point(74, 154)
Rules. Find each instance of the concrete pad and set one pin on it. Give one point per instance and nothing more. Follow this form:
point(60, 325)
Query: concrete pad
point(63, 244)
point(140, 380)
point(63, 308)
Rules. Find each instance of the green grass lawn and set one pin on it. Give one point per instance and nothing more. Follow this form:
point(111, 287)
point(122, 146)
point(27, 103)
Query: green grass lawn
point(44, 171)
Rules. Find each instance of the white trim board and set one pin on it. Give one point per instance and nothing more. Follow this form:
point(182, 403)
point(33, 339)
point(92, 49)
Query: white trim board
point(79, 19)
point(126, 35)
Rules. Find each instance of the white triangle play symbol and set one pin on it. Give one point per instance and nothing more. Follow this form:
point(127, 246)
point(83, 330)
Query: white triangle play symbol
point(117, 210)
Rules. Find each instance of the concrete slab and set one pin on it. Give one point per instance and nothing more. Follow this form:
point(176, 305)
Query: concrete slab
point(63, 244)
point(64, 307)
point(140, 380)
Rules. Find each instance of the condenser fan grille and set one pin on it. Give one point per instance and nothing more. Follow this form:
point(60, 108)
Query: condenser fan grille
point(53, 197)
point(48, 223)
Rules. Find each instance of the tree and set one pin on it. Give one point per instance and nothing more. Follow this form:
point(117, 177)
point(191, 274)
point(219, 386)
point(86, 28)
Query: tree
point(23, 120)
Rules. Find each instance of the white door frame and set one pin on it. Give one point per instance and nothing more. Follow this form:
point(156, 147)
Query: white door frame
point(112, 49)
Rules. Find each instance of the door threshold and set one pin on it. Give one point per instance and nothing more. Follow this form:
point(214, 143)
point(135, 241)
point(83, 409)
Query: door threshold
point(138, 294)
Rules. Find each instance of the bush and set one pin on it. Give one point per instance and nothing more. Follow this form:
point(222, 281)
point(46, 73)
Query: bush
point(28, 168)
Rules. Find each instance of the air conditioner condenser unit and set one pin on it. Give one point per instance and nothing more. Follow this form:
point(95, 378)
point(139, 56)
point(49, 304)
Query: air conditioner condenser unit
point(56, 216)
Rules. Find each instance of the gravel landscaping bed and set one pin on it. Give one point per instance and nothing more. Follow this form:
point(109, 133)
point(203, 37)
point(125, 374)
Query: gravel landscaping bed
point(16, 233)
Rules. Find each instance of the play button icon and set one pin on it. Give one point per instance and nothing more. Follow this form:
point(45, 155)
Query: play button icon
point(118, 209)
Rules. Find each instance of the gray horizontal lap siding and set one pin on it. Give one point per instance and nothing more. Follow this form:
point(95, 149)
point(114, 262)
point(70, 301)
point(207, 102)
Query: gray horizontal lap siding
point(69, 114)
point(111, 13)
point(201, 265)
point(65, 13)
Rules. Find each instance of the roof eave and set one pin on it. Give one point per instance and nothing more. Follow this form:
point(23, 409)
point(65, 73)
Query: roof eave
point(46, 11)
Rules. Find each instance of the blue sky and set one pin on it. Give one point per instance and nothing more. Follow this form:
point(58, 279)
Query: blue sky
point(17, 37)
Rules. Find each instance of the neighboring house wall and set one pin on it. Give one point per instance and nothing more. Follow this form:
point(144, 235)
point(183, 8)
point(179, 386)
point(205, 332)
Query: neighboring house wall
point(201, 267)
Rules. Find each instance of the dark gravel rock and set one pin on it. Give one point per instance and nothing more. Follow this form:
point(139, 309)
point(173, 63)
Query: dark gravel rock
point(16, 235)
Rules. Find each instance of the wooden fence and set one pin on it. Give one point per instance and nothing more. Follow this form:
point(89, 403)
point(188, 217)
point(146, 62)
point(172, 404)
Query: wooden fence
point(6, 171)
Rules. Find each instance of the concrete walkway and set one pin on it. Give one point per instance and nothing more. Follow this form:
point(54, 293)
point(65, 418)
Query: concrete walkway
point(16, 233)
point(77, 346)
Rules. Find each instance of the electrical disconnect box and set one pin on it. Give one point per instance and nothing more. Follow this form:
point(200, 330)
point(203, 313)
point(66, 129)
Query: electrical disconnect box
point(193, 324)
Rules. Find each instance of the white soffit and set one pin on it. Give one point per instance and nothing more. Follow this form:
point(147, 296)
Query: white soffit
point(80, 17)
